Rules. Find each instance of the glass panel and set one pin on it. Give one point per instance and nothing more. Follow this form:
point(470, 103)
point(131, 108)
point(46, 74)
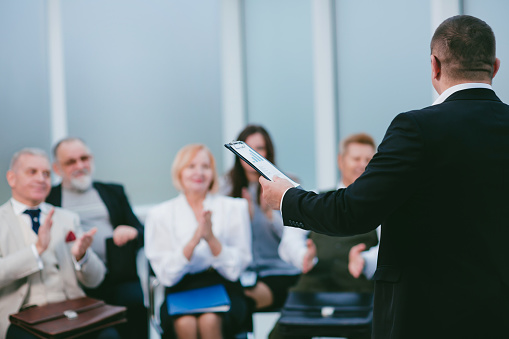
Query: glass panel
point(24, 103)
point(279, 76)
point(383, 62)
point(142, 81)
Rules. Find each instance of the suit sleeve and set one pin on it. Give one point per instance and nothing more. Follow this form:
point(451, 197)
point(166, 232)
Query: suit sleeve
point(92, 272)
point(17, 265)
point(391, 177)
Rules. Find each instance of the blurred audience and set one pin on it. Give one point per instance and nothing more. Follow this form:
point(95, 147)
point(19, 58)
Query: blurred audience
point(268, 278)
point(45, 256)
point(119, 232)
point(341, 260)
point(199, 239)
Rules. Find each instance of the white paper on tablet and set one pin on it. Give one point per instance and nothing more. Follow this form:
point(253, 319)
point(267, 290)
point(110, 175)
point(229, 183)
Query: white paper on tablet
point(255, 160)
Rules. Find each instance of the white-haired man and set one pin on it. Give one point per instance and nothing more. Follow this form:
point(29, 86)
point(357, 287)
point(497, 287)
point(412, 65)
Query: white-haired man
point(44, 255)
point(119, 232)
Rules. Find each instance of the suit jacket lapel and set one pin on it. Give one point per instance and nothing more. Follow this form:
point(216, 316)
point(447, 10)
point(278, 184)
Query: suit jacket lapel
point(55, 196)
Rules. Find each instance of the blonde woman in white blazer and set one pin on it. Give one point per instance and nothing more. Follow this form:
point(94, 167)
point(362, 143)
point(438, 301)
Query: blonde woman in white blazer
point(199, 239)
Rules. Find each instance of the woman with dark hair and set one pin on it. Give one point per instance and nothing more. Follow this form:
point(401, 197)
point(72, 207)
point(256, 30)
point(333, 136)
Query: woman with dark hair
point(241, 175)
point(274, 276)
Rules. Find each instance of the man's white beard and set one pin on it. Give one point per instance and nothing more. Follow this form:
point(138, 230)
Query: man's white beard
point(82, 183)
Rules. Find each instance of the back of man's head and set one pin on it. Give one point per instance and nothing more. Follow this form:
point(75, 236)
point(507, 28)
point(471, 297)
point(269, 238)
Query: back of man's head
point(465, 48)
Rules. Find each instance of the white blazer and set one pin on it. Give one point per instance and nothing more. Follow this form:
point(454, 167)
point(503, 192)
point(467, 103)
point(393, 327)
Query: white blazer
point(170, 225)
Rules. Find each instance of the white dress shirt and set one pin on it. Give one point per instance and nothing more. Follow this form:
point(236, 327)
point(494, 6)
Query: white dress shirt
point(371, 257)
point(448, 92)
point(292, 247)
point(170, 225)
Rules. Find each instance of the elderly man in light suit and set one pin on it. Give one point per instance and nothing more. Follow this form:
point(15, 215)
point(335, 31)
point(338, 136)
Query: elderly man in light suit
point(44, 257)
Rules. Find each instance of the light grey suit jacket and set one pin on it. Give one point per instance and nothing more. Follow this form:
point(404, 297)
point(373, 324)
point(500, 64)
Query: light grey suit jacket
point(17, 261)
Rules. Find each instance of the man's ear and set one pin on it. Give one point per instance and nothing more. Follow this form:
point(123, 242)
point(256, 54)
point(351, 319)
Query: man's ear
point(56, 169)
point(340, 164)
point(496, 67)
point(435, 67)
point(11, 178)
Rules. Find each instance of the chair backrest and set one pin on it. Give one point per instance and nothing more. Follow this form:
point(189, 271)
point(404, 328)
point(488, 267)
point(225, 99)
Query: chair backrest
point(344, 314)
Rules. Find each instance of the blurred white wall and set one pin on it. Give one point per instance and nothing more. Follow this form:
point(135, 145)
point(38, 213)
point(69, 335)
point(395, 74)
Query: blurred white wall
point(138, 80)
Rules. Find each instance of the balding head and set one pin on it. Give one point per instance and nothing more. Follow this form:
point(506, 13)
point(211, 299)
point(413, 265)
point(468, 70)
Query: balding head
point(465, 49)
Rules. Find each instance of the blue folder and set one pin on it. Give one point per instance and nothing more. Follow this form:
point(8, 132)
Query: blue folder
point(200, 300)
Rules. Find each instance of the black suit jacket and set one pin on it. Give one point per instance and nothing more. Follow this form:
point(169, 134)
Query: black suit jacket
point(115, 199)
point(117, 204)
point(439, 185)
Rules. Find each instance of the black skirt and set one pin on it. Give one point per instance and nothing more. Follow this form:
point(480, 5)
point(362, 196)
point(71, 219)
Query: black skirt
point(234, 320)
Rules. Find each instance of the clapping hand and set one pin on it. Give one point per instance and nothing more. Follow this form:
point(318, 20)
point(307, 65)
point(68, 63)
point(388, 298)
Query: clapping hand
point(205, 226)
point(309, 260)
point(355, 260)
point(80, 246)
point(123, 234)
point(44, 233)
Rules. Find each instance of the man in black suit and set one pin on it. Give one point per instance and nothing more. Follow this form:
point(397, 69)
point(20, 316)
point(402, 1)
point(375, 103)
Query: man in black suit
point(438, 185)
point(119, 232)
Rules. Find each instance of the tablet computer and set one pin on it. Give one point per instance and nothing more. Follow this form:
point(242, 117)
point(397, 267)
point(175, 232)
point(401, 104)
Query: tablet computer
point(255, 160)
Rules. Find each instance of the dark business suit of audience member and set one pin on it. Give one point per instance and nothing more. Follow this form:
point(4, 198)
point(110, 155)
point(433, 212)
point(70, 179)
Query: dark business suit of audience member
point(330, 274)
point(439, 186)
point(115, 199)
point(125, 293)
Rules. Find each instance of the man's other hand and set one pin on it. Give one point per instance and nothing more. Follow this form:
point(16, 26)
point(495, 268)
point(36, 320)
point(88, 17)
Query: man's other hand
point(123, 234)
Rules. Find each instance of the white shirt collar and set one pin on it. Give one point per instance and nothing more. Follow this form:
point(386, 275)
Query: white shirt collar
point(19, 207)
point(447, 93)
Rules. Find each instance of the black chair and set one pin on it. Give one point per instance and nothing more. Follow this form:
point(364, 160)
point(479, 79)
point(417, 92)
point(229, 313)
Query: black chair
point(327, 314)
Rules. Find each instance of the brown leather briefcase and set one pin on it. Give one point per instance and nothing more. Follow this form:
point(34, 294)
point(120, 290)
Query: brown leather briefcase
point(69, 319)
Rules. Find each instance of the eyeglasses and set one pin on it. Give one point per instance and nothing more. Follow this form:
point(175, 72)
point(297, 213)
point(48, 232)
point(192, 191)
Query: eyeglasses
point(74, 161)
